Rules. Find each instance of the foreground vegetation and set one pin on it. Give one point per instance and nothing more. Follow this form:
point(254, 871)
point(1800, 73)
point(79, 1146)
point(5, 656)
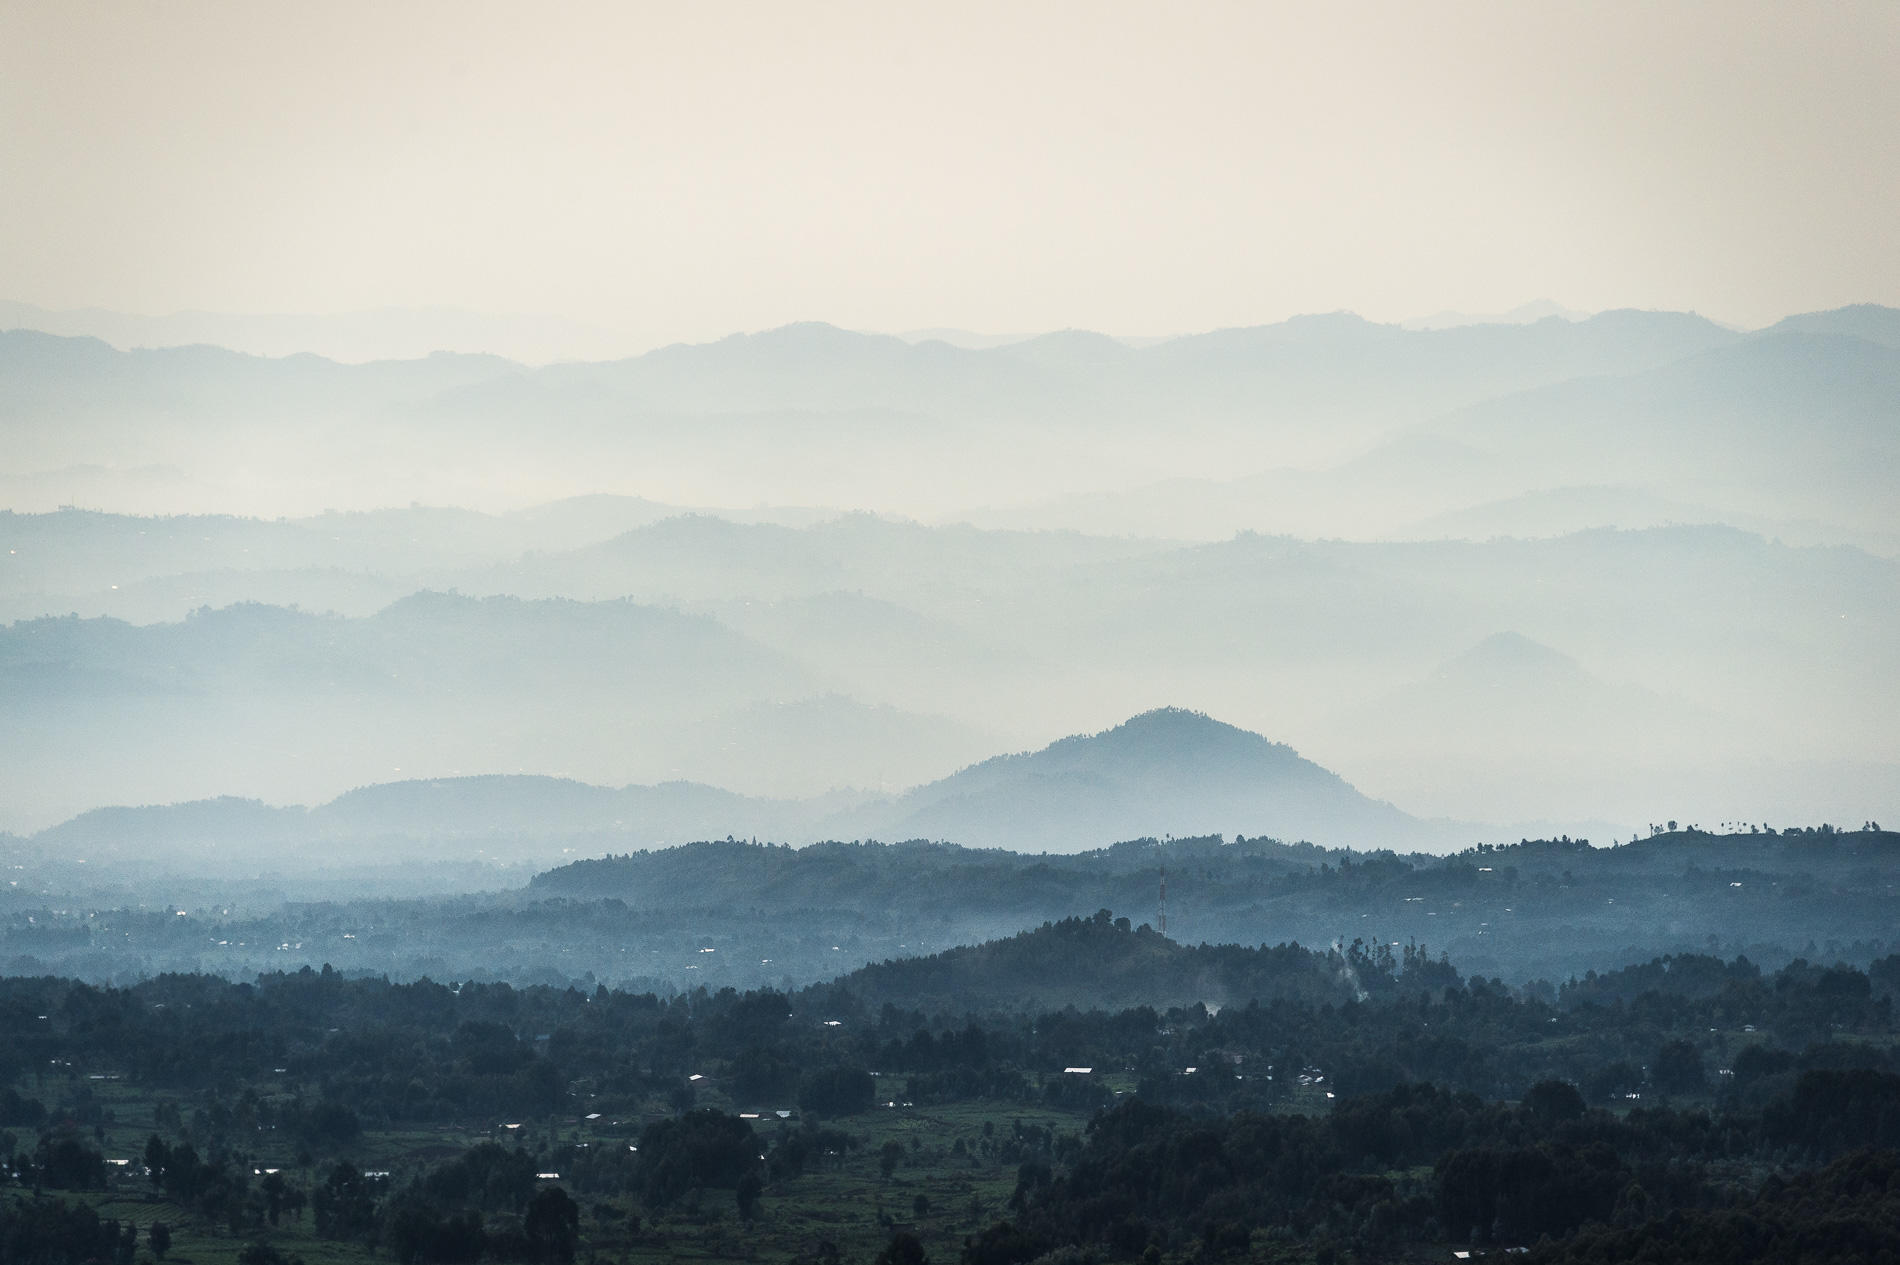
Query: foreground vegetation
point(1360, 1104)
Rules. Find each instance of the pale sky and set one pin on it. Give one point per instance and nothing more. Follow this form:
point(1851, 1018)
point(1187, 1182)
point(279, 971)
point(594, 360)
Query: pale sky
point(681, 171)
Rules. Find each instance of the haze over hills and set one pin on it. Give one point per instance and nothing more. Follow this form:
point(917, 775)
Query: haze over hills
point(502, 821)
point(673, 651)
point(1785, 423)
point(1567, 510)
point(1163, 772)
point(1508, 682)
point(1522, 314)
point(812, 651)
point(1446, 727)
point(1870, 321)
point(816, 368)
point(274, 703)
point(1787, 427)
point(350, 337)
point(951, 703)
point(800, 413)
point(152, 568)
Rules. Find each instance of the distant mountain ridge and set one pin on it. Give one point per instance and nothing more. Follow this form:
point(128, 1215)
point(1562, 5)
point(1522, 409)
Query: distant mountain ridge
point(1699, 519)
point(415, 333)
point(1870, 321)
point(1324, 384)
point(1163, 772)
point(1337, 362)
point(1793, 424)
point(701, 650)
point(1710, 409)
point(1308, 426)
point(498, 819)
point(351, 337)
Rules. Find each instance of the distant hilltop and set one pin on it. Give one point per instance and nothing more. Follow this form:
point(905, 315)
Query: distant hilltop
point(1167, 771)
point(1164, 772)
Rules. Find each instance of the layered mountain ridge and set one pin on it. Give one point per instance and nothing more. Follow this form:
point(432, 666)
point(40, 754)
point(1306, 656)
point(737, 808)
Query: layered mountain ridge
point(1163, 772)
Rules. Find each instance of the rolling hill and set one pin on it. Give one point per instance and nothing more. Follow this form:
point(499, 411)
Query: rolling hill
point(1167, 771)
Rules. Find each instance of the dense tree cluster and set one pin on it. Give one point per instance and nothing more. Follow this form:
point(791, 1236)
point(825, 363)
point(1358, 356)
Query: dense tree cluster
point(1369, 1097)
point(783, 918)
point(63, 1232)
point(1418, 1164)
point(1846, 1214)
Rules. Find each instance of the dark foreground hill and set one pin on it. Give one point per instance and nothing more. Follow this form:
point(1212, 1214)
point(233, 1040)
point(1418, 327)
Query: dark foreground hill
point(1102, 962)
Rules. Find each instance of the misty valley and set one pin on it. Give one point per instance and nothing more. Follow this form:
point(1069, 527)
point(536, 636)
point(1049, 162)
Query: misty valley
point(1316, 793)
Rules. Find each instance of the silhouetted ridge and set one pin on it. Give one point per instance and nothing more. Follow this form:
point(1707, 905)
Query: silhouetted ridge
point(1869, 321)
point(1166, 771)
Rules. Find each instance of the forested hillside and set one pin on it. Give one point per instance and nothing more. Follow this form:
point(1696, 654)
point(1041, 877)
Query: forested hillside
point(1347, 1104)
point(740, 914)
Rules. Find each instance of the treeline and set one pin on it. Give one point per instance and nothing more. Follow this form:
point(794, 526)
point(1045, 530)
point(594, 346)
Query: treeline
point(63, 1232)
point(784, 918)
point(1368, 1096)
point(1419, 1165)
point(1105, 963)
point(289, 1051)
point(1374, 1176)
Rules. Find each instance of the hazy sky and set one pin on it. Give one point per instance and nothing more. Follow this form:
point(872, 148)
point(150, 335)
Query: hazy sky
point(679, 171)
